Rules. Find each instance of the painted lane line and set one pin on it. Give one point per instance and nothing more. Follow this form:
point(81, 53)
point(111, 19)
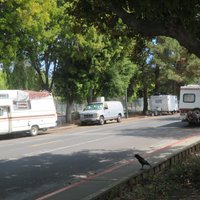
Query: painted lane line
point(56, 149)
point(66, 147)
point(45, 143)
point(111, 169)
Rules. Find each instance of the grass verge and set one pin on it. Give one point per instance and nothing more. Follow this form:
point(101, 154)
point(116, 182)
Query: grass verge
point(181, 181)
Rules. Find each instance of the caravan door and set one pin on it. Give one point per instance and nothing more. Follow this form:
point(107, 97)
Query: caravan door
point(4, 120)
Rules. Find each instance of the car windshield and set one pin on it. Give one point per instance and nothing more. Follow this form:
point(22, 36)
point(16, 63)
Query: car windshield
point(96, 106)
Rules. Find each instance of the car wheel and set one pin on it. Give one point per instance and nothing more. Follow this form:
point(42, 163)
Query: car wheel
point(101, 120)
point(34, 130)
point(119, 119)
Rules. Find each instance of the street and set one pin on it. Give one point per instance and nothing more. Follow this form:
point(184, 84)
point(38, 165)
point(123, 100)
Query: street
point(31, 167)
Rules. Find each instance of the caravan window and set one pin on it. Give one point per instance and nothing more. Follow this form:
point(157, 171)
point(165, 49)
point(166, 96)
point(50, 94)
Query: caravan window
point(4, 96)
point(158, 101)
point(21, 105)
point(189, 98)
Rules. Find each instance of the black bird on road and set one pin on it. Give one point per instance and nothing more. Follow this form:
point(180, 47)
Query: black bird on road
point(141, 160)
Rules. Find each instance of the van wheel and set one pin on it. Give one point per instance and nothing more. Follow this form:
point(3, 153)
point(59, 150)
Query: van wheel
point(34, 130)
point(101, 120)
point(119, 119)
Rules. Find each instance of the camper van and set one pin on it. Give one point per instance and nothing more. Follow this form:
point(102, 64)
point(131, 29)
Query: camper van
point(163, 104)
point(102, 111)
point(26, 111)
point(190, 104)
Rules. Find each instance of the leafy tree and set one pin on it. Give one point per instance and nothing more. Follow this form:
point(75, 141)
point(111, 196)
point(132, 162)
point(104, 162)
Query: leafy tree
point(10, 27)
point(91, 64)
point(143, 80)
point(176, 19)
point(115, 80)
point(174, 65)
point(20, 75)
point(29, 29)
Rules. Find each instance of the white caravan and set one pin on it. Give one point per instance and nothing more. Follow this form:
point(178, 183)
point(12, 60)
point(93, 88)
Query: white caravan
point(190, 103)
point(163, 104)
point(100, 112)
point(26, 111)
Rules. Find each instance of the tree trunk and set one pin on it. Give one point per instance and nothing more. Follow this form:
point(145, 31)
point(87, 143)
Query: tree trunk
point(145, 108)
point(157, 76)
point(69, 111)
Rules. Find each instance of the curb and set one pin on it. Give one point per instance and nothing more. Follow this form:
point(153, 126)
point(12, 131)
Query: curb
point(116, 189)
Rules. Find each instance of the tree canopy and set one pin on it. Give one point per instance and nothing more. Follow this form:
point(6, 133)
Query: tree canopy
point(81, 49)
point(174, 18)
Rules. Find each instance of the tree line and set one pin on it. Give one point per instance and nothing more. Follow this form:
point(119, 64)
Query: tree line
point(46, 45)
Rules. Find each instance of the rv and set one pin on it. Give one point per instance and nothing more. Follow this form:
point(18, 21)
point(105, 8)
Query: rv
point(102, 111)
point(190, 104)
point(163, 104)
point(28, 111)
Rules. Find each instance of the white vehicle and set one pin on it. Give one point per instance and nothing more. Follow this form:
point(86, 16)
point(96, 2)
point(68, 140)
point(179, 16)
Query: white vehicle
point(26, 111)
point(190, 103)
point(163, 104)
point(100, 112)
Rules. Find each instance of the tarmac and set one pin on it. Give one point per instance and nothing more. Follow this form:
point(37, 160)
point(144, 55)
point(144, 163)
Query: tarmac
point(107, 183)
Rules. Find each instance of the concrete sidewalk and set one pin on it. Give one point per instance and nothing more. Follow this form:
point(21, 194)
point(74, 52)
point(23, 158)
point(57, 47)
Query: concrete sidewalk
point(110, 181)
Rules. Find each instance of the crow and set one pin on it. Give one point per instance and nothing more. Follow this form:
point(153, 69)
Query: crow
point(141, 160)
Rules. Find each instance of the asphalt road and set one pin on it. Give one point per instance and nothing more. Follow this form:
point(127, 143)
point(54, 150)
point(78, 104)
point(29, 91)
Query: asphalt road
point(31, 167)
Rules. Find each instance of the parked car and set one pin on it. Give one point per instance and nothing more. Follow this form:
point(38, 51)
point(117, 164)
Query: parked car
point(100, 112)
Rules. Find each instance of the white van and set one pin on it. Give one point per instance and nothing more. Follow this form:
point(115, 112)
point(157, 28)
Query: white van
point(26, 111)
point(100, 112)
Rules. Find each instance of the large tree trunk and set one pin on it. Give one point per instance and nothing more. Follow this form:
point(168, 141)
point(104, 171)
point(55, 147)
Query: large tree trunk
point(69, 111)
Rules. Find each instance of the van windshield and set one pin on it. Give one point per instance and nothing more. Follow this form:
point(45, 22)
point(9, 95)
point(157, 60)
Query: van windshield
point(94, 106)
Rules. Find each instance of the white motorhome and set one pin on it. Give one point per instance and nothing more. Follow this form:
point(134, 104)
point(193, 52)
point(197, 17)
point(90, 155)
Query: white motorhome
point(163, 104)
point(102, 111)
point(190, 103)
point(26, 111)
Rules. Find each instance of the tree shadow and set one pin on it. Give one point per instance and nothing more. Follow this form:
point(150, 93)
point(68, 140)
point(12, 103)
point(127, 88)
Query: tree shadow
point(29, 177)
point(176, 130)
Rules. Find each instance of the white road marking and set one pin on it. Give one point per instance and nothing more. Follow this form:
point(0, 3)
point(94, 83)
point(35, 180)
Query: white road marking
point(41, 144)
point(66, 147)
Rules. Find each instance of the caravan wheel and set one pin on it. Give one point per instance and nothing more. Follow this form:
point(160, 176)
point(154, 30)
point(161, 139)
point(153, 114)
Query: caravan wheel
point(196, 111)
point(34, 130)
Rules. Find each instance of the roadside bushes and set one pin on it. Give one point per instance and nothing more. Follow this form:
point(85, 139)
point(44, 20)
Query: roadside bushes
point(181, 181)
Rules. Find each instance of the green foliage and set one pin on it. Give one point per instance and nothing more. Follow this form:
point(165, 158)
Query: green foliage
point(176, 66)
point(48, 35)
point(93, 64)
point(181, 181)
point(149, 18)
point(3, 84)
point(20, 75)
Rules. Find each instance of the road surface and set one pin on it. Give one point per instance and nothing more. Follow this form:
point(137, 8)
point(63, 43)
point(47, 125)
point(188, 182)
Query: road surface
point(31, 167)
